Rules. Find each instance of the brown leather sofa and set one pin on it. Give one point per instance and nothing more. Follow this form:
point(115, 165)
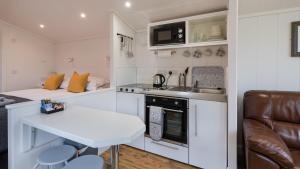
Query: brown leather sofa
point(272, 129)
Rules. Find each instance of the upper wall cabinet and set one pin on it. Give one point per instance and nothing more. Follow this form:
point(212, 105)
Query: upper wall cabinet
point(201, 30)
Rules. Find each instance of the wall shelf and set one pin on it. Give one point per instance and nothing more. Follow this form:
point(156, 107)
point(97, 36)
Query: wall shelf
point(199, 30)
point(190, 45)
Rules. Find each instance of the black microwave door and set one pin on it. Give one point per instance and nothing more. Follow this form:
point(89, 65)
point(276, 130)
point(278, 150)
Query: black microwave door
point(163, 36)
point(169, 34)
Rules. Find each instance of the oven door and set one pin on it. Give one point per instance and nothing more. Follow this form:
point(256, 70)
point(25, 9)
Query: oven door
point(175, 125)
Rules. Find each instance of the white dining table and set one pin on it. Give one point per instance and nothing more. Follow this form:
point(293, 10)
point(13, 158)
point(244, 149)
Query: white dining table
point(92, 127)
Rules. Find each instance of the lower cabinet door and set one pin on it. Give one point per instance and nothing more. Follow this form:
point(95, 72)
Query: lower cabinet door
point(133, 104)
point(208, 134)
point(168, 150)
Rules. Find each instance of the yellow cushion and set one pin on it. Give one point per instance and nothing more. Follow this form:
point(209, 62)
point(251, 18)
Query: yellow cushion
point(54, 81)
point(78, 82)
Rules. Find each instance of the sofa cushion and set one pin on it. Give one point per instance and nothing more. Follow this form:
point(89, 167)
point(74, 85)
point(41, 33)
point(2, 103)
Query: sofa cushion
point(258, 161)
point(263, 140)
point(257, 106)
point(296, 157)
point(289, 132)
point(286, 106)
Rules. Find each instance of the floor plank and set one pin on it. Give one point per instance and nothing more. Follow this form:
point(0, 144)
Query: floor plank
point(131, 158)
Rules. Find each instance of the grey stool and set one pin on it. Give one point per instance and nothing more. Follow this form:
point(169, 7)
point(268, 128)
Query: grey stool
point(55, 155)
point(86, 162)
point(80, 147)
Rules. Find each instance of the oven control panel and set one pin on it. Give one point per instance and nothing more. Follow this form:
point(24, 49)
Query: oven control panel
point(168, 102)
point(129, 90)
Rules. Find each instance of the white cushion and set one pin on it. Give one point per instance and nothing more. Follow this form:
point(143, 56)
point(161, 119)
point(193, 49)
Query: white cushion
point(65, 83)
point(95, 83)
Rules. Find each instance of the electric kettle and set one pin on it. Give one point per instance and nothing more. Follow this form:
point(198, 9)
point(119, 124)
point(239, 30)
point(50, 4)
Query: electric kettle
point(158, 80)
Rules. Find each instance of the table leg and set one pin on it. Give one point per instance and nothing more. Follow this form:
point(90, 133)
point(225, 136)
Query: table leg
point(114, 157)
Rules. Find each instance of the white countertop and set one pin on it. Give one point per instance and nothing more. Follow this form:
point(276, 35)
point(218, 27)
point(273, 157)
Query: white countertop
point(23, 93)
point(92, 127)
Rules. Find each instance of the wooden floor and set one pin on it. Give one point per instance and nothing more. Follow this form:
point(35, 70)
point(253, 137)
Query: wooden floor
point(131, 158)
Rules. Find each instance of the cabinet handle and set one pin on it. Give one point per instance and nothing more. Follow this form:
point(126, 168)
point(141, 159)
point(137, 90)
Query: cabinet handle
point(138, 107)
point(167, 146)
point(196, 120)
point(177, 111)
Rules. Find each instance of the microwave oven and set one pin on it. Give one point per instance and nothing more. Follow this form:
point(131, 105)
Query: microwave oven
point(168, 34)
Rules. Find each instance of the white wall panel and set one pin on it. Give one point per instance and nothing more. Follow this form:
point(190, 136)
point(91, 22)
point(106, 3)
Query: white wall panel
point(247, 65)
point(247, 54)
point(264, 60)
point(288, 67)
point(266, 52)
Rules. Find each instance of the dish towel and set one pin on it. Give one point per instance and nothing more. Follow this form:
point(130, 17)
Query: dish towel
point(156, 122)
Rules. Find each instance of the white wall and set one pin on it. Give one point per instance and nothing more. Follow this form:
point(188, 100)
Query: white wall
point(1, 80)
point(264, 60)
point(90, 55)
point(27, 58)
point(255, 6)
point(148, 64)
point(123, 68)
point(232, 82)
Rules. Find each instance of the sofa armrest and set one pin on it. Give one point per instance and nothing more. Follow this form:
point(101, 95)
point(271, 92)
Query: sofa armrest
point(261, 139)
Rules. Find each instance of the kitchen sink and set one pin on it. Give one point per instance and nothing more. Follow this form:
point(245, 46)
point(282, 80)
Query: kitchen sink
point(198, 90)
point(213, 91)
point(181, 89)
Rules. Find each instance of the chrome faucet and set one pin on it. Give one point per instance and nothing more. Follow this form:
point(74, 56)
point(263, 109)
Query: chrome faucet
point(196, 84)
point(181, 80)
point(184, 77)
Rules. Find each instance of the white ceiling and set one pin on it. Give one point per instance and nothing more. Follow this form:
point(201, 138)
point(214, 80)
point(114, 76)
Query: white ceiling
point(254, 6)
point(145, 11)
point(62, 17)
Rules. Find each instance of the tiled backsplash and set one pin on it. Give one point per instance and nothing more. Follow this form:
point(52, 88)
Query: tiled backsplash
point(208, 76)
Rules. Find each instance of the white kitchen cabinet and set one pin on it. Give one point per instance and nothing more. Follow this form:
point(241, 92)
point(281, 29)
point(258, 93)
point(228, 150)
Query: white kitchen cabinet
point(208, 134)
point(133, 104)
point(195, 26)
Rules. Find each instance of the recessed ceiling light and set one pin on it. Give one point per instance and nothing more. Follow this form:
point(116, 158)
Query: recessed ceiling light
point(42, 26)
point(82, 15)
point(127, 4)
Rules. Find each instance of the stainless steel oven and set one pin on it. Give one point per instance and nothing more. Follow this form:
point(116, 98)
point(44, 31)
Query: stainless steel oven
point(168, 34)
point(175, 126)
